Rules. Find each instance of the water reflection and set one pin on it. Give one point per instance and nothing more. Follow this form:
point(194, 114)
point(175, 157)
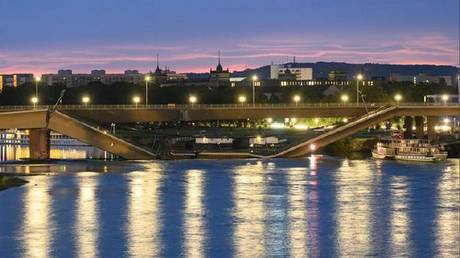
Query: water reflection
point(37, 228)
point(87, 215)
point(448, 220)
point(353, 204)
point(194, 228)
point(144, 217)
point(19, 152)
point(298, 226)
point(399, 221)
point(249, 210)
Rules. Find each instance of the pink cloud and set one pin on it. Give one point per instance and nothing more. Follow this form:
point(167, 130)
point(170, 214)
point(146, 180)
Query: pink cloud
point(410, 49)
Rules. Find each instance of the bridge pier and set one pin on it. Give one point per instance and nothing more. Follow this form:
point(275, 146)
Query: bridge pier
point(408, 124)
point(39, 144)
point(419, 123)
point(430, 124)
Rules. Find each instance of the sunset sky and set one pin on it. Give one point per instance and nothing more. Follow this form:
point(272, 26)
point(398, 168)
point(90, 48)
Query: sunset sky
point(47, 35)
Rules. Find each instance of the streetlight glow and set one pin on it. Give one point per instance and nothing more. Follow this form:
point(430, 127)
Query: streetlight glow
point(255, 77)
point(344, 98)
point(296, 99)
point(242, 99)
point(148, 78)
point(398, 98)
point(192, 99)
point(360, 77)
point(38, 79)
point(34, 100)
point(136, 100)
point(85, 100)
point(445, 98)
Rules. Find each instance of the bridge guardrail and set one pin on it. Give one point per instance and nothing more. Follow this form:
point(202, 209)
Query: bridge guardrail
point(225, 106)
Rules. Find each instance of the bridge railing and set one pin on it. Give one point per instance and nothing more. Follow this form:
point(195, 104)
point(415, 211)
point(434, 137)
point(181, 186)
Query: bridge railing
point(224, 106)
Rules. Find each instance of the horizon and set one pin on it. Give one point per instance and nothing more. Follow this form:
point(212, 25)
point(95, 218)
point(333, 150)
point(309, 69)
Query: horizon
point(118, 35)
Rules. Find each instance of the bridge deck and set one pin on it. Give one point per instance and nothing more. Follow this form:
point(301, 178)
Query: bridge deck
point(74, 128)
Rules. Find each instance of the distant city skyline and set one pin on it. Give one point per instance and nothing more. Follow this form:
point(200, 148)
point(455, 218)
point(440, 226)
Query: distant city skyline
point(44, 36)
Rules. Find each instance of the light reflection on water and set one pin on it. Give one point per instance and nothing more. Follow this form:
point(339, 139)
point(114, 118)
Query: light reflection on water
point(194, 228)
point(36, 235)
point(353, 202)
point(87, 226)
point(299, 208)
point(143, 225)
point(19, 152)
point(249, 210)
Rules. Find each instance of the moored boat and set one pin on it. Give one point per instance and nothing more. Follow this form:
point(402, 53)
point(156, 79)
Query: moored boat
point(408, 150)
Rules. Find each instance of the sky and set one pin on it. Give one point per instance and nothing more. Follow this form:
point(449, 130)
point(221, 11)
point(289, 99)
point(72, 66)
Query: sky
point(46, 35)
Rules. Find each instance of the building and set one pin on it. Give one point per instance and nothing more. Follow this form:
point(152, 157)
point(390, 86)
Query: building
point(290, 71)
point(70, 79)
point(14, 80)
point(335, 75)
point(219, 76)
point(423, 78)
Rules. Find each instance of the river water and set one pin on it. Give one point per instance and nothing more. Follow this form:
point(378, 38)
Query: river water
point(313, 207)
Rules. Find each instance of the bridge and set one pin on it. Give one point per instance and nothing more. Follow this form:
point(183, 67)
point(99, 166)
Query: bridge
point(68, 121)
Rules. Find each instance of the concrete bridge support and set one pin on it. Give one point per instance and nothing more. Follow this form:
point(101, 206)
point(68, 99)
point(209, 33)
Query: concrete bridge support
point(431, 123)
point(419, 123)
point(408, 124)
point(39, 144)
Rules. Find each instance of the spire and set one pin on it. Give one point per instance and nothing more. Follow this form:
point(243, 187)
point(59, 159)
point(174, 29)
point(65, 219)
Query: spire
point(218, 60)
point(158, 70)
point(158, 61)
point(219, 68)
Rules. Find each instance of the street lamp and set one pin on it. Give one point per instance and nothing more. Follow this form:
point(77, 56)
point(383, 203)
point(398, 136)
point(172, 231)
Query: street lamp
point(242, 99)
point(136, 100)
point(255, 78)
point(398, 98)
point(147, 79)
point(192, 99)
point(34, 101)
point(359, 77)
point(296, 99)
point(85, 100)
point(445, 98)
point(344, 98)
point(37, 81)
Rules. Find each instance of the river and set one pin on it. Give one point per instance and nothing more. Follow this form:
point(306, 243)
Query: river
point(312, 207)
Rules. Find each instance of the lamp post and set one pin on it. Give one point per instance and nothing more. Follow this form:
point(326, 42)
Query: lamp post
point(296, 99)
point(147, 79)
point(254, 80)
point(359, 77)
point(34, 101)
point(242, 99)
point(344, 98)
point(398, 98)
point(136, 100)
point(85, 100)
point(192, 99)
point(37, 81)
point(445, 98)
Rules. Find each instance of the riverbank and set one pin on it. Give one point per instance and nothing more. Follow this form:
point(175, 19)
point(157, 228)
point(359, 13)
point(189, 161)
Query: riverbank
point(8, 182)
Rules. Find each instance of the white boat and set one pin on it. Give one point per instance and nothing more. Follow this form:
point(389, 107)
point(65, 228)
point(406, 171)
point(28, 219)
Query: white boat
point(408, 150)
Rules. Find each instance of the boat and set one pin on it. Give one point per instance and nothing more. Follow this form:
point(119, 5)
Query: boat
point(408, 150)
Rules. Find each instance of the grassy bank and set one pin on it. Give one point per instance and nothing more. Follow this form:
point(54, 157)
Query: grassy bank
point(7, 182)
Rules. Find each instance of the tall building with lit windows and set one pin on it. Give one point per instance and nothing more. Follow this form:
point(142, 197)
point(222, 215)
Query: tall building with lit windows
point(290, 72)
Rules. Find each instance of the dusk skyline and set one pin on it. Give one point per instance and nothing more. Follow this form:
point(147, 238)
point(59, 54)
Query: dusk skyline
point(44, 36)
